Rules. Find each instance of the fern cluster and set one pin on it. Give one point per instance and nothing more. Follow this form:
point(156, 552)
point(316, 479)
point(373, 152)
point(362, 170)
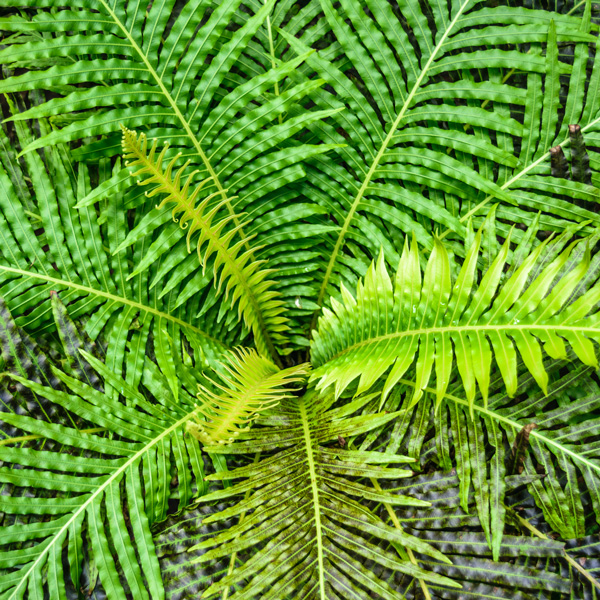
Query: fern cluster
point(299, 299)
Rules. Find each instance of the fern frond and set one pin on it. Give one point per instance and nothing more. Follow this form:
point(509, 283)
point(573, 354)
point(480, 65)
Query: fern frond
point(308, 516)
point(253, 384)
point(105, 479)
point(234, 265)
point(443, 118)
point(472, 565)
point(389, 324)
point(75, 252)
point(197, 79)
point(556, 430)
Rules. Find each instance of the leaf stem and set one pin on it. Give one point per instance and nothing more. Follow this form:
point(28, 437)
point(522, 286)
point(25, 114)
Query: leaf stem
point(315, 492)
point(272, 54)
point(568, 558)
point(113, 298)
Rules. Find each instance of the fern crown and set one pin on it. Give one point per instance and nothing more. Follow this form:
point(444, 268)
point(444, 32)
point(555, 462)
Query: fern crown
point(299, 299)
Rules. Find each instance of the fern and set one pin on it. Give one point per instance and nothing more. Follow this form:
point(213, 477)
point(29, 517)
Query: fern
point(296, 496)
point(234, 264)
point(253, 384)
point(237, 422)
point(117, 470)
point(478, 574)
point(428, 144)
point(93, 277)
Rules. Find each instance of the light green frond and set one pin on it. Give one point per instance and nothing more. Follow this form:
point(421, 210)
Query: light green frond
point(252, 384)
point(428, 317)
point(234, 265)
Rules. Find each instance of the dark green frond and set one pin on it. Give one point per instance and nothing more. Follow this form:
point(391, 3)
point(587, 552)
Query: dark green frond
point(444, 116)
point(99, 491)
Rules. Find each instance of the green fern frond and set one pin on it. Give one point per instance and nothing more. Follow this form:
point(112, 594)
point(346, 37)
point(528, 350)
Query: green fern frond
point(309, 517)
point(480, 576)
point(235, 265)
point(443, 119)
point(253, 384)
point(389, 324)
point(312, 137)
point(556, 429)
point(105, 479)
point(75, 252)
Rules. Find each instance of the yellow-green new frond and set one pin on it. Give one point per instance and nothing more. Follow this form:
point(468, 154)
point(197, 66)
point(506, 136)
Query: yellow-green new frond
point(427, 317)
point(200, 212)
point(252, 384)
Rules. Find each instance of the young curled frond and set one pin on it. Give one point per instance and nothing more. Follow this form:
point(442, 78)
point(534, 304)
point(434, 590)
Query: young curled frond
point(198, 210)
point(252, 385)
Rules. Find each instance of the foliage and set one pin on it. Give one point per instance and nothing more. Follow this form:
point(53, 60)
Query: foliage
point(387, 325)
point(275, 415)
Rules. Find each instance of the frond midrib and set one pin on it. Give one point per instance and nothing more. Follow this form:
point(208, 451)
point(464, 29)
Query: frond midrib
point(100, 490)
point(514, 424)
point(185, 204)
point(458, 329)
point(315, 493)
point(114, 298)
point(378, 157)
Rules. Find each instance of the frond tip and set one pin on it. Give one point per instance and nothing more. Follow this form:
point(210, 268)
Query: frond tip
point(199, 211)
point(253, 385)
point(186, 213)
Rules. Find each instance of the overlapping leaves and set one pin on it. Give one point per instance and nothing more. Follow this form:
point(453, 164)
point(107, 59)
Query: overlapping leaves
point(119, 485)
point(186, 80)
point(116, 481)
point(182, 545)
point(553, 433)
point(432, 111)
point(444, 115)
point(50, 246)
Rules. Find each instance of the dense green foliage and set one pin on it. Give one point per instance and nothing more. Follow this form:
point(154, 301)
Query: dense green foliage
point(299, 299)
